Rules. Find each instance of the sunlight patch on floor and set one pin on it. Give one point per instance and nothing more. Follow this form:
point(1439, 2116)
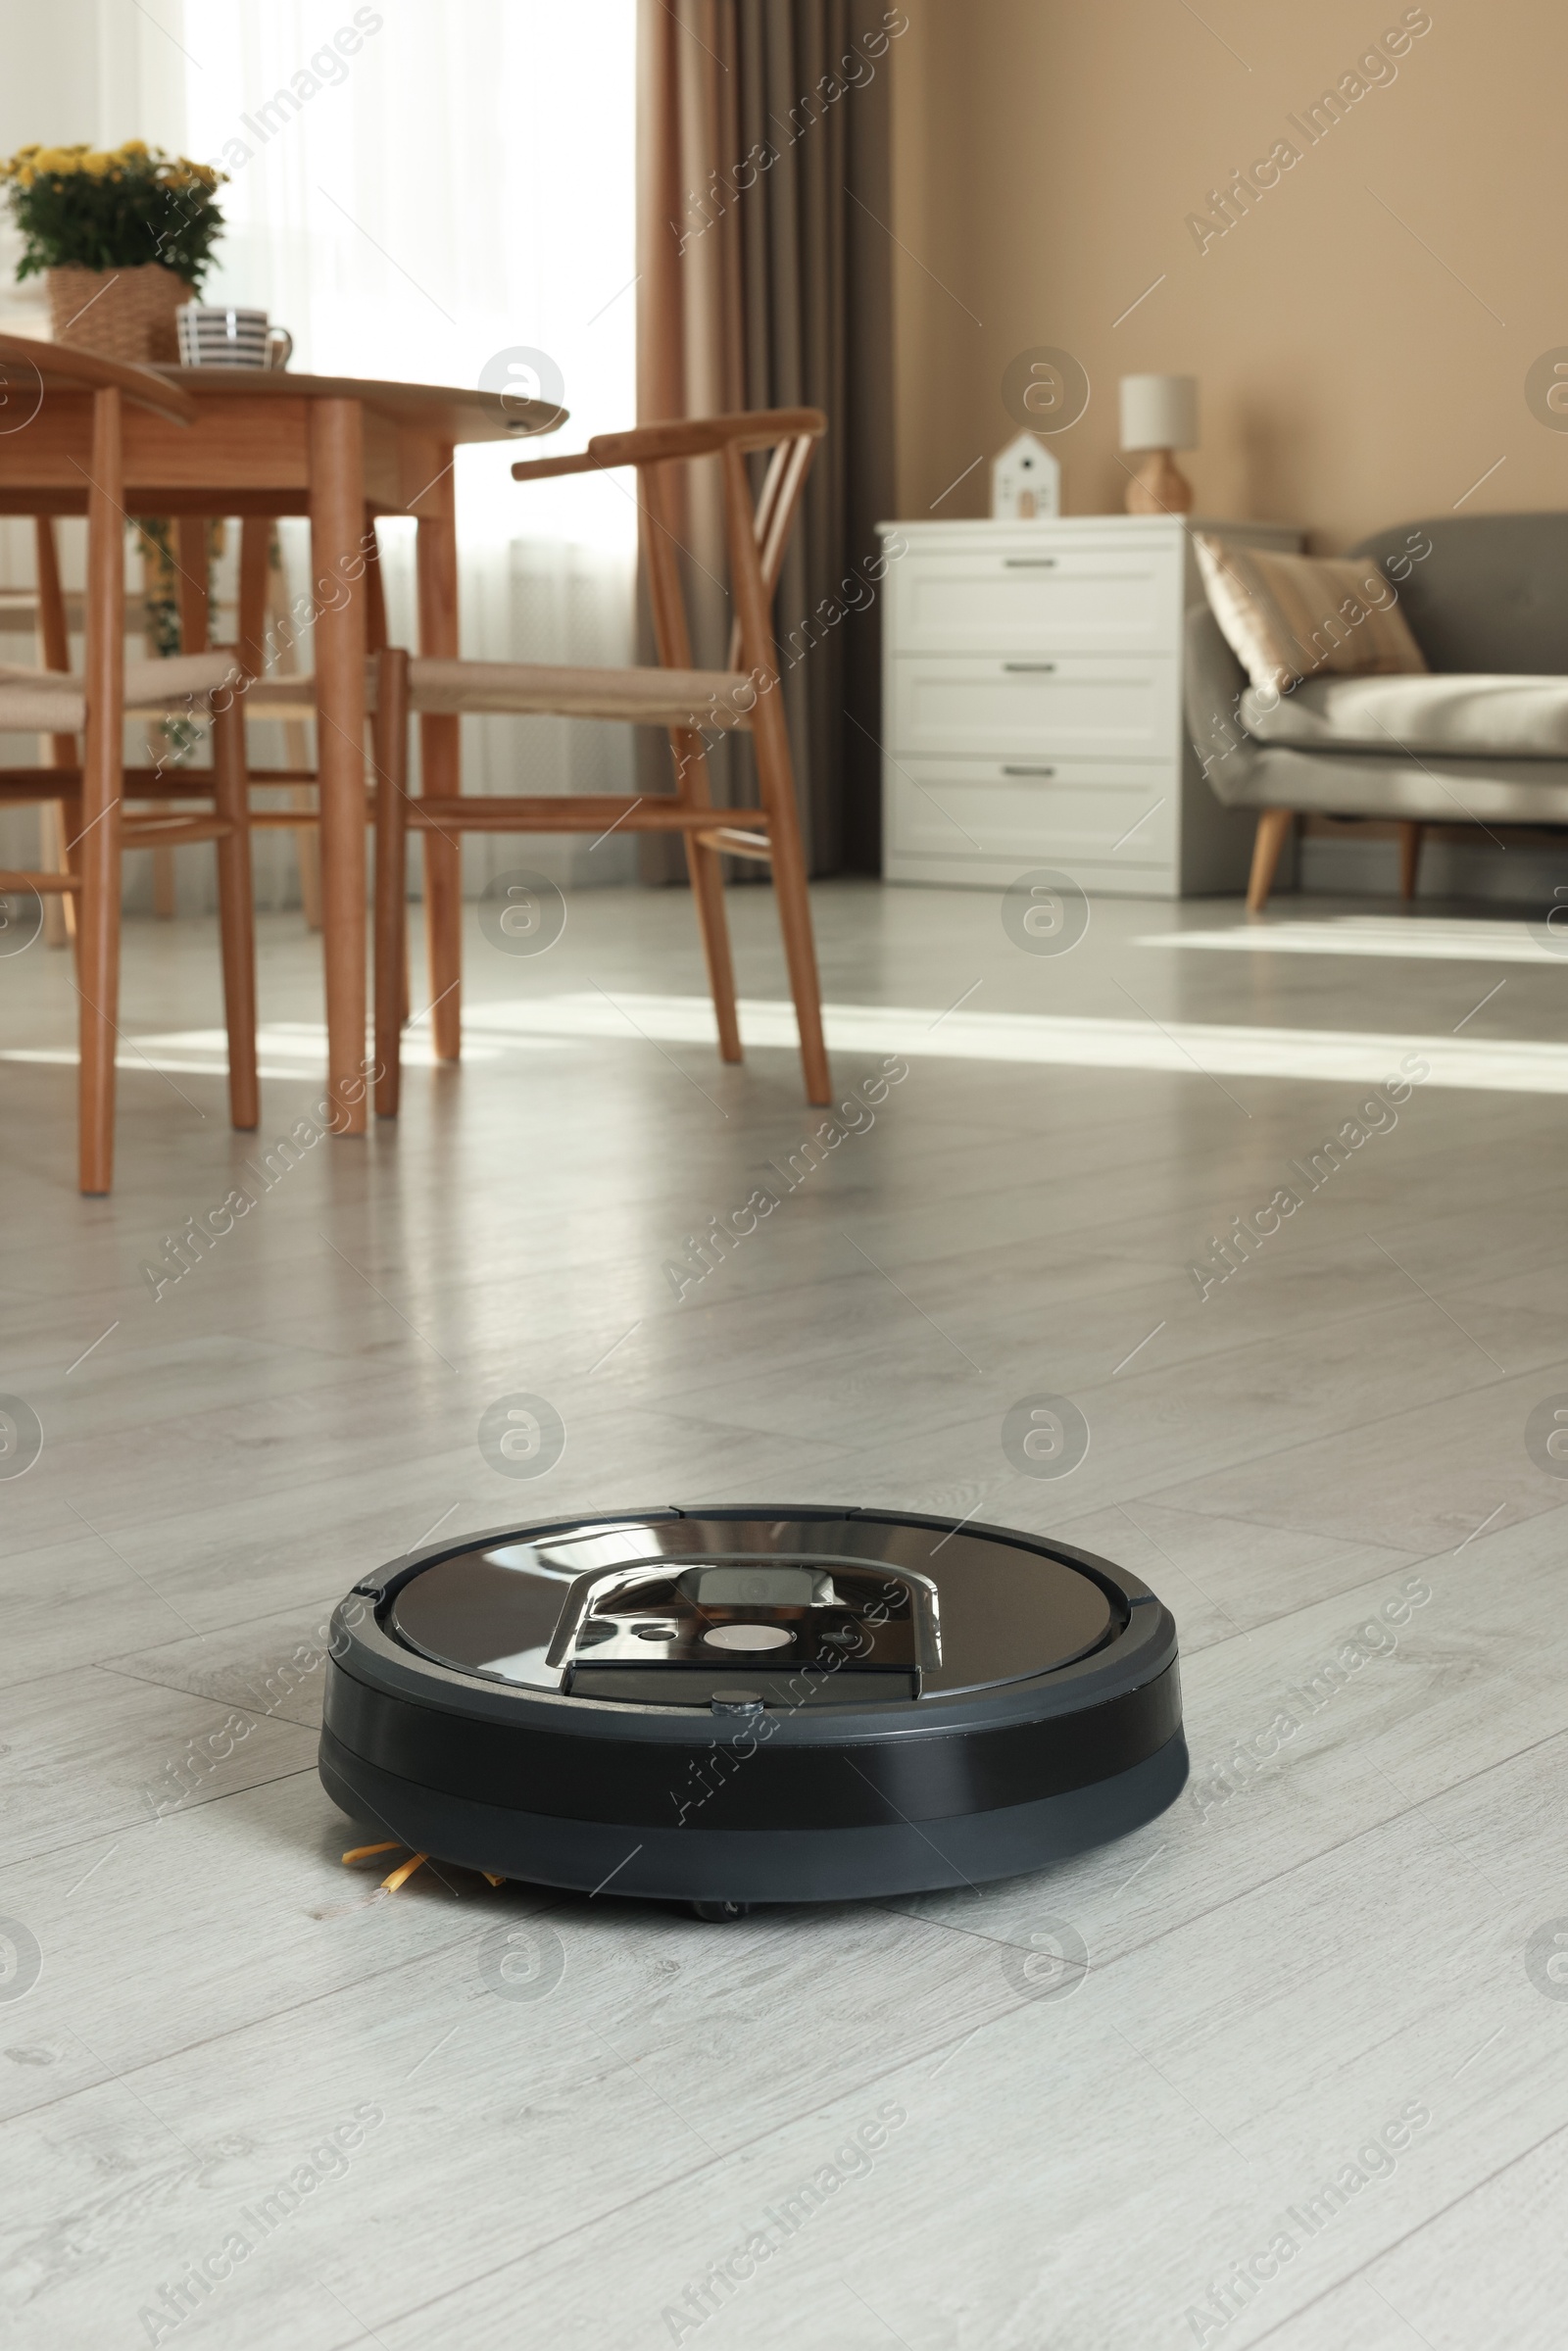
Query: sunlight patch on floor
point(494, 1032)
point(1414, 939)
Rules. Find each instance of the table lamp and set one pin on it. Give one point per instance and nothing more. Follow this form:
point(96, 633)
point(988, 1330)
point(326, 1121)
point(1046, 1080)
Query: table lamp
point(1159, 414)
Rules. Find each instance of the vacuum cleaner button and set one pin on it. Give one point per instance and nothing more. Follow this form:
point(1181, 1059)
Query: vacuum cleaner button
point(748, 1637)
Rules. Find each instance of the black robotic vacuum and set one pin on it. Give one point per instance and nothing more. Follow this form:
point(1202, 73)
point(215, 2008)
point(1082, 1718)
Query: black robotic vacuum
point(732, 1706)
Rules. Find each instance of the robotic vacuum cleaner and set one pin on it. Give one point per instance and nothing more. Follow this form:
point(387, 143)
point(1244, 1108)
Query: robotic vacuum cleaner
point(732, 1706)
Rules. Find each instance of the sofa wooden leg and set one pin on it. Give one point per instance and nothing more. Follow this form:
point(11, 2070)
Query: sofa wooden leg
point(1273, 831)
point(1409, 857)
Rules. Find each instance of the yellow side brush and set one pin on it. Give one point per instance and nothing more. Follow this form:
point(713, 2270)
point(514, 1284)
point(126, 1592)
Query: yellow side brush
point(405, 1871)
point(398, 1877)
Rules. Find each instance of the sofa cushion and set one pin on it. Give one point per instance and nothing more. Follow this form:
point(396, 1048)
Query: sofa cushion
point(1363, 783)
point(1462, 717)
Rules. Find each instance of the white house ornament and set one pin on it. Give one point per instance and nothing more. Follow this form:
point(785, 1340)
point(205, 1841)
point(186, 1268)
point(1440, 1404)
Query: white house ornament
point(1026, 481)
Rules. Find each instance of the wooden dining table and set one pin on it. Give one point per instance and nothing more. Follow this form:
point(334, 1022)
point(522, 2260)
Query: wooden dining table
point(341, 451)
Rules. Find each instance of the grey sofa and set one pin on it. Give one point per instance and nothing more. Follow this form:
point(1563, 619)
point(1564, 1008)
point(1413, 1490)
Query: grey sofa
point(1484, 738)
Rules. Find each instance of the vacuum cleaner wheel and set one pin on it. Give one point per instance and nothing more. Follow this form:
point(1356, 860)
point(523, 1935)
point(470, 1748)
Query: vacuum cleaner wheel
point(776, 1704)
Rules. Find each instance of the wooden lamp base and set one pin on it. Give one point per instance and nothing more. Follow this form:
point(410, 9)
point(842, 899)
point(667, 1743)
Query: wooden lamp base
point(1156, 485)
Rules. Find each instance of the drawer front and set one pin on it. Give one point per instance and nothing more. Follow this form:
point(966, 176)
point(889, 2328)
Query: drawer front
point(1066, 599)
point(1113, 814)
point(1101, 705)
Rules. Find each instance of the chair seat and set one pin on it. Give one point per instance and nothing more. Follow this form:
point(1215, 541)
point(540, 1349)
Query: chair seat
point(705, 698)
point(687, 702)
point(279, 697)
point(47, 702)
point(1455, 716)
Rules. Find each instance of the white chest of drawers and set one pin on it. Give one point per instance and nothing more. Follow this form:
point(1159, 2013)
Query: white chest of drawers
point(1033, 705)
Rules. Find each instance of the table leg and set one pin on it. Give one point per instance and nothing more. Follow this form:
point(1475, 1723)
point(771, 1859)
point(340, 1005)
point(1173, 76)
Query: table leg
point(440, 766)
point(338, 567)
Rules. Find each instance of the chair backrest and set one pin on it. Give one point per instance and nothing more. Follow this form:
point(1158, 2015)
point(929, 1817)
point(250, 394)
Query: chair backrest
point(774, 516)
point(759, 529)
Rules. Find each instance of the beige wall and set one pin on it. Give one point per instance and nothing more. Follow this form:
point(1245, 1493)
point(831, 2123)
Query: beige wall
point(1046, 153)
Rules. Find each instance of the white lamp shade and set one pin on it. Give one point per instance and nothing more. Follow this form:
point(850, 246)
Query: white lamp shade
point(1159, 412)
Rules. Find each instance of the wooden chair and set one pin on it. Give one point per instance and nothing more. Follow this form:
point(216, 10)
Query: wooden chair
point(93, 788)
point(682, 700)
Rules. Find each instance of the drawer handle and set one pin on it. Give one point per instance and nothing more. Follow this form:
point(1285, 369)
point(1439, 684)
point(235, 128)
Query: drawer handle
point(1028, 664)
point(1029, 562)
point(1028, 772)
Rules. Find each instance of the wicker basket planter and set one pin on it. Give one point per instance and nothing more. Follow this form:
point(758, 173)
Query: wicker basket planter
point(119, 313)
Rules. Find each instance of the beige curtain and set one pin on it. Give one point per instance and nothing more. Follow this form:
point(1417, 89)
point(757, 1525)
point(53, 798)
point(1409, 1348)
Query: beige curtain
point(765, 283)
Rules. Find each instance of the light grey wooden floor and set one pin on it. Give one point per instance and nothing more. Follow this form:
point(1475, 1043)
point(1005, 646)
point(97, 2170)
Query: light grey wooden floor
point(1321, 2043)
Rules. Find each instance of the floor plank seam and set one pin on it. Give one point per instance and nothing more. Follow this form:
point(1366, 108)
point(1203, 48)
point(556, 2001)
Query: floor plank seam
point(1453, 2204)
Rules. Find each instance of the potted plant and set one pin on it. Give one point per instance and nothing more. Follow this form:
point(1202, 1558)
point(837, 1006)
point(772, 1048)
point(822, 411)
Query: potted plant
point(123, 236)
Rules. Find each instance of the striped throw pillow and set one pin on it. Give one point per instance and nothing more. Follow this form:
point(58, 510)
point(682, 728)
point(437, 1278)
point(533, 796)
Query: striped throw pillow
point(1288, 617)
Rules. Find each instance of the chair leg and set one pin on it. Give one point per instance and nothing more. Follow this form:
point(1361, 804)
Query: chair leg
point(1273, 831)
point(1409, 857)
point(706, 871)
point(774, 775)
point(236, 912)
point(164, 876)
point(443, 894)
point(263, 598)
point(97, 844)
point(391, 752)
point(71, 862)
point(752, 596)
point(59, 906)
point(54, 751)
point(306, 840)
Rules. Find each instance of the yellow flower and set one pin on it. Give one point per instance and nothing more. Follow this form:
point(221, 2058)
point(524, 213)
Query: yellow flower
point(132, 159)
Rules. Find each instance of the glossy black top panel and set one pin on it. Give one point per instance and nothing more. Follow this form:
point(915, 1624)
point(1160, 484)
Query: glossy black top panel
point(996, 1612)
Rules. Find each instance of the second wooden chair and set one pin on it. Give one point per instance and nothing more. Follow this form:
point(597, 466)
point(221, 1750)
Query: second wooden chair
point(684, 700)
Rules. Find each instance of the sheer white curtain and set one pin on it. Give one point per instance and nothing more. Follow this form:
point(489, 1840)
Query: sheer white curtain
point(76, 70)
point(417, 187)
